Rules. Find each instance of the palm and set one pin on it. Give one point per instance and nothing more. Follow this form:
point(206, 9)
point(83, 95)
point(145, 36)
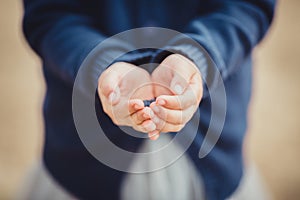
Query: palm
point(136, 84)
point(161, 79)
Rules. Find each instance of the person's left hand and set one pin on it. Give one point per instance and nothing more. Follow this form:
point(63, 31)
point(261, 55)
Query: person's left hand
point(177, 84)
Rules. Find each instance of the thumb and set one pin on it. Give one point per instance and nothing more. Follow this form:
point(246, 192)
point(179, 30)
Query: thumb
point(114, 96)
point(109, 87)
point(178, 84)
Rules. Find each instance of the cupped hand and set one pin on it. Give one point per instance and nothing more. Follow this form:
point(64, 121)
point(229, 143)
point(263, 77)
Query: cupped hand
point(177, 84)
point(122, 88)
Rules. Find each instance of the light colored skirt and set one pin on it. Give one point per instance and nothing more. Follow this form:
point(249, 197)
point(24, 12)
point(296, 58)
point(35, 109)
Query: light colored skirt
point(179, 181)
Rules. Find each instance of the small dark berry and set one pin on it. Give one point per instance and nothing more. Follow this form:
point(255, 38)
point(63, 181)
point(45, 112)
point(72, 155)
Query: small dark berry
point(148, 102)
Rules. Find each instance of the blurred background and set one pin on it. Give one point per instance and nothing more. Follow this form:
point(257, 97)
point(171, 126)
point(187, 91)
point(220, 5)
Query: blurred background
point(273, 139)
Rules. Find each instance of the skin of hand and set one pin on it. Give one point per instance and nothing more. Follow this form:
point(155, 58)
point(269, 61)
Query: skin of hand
point(177, 84)
point(121, 89)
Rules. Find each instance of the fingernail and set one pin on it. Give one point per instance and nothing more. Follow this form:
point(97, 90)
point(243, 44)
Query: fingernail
point(178, 89)
point(161, 102)
point(155, 109)
point(154, 135)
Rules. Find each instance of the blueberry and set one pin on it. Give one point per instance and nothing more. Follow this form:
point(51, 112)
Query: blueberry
point(148, 102)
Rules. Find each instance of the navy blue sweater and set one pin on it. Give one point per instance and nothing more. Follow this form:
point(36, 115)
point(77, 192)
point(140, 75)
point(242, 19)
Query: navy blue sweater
point(63, 32)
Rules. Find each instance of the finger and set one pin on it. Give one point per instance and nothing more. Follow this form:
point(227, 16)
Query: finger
point(157, 109)
point(177, 102)
point(139, 128)
point(172, 128)
point(120, 115)
point(191, 96)
point(142, 115)
point(106, 88)
point(135, 105)
point(175, 117)
point(114, 96)
point(178, 84)
point(182, 71)
point(154, 135)
point(146, 127)
point(163, 126)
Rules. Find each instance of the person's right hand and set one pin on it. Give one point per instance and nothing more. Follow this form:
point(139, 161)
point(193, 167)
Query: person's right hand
point(122, 88)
